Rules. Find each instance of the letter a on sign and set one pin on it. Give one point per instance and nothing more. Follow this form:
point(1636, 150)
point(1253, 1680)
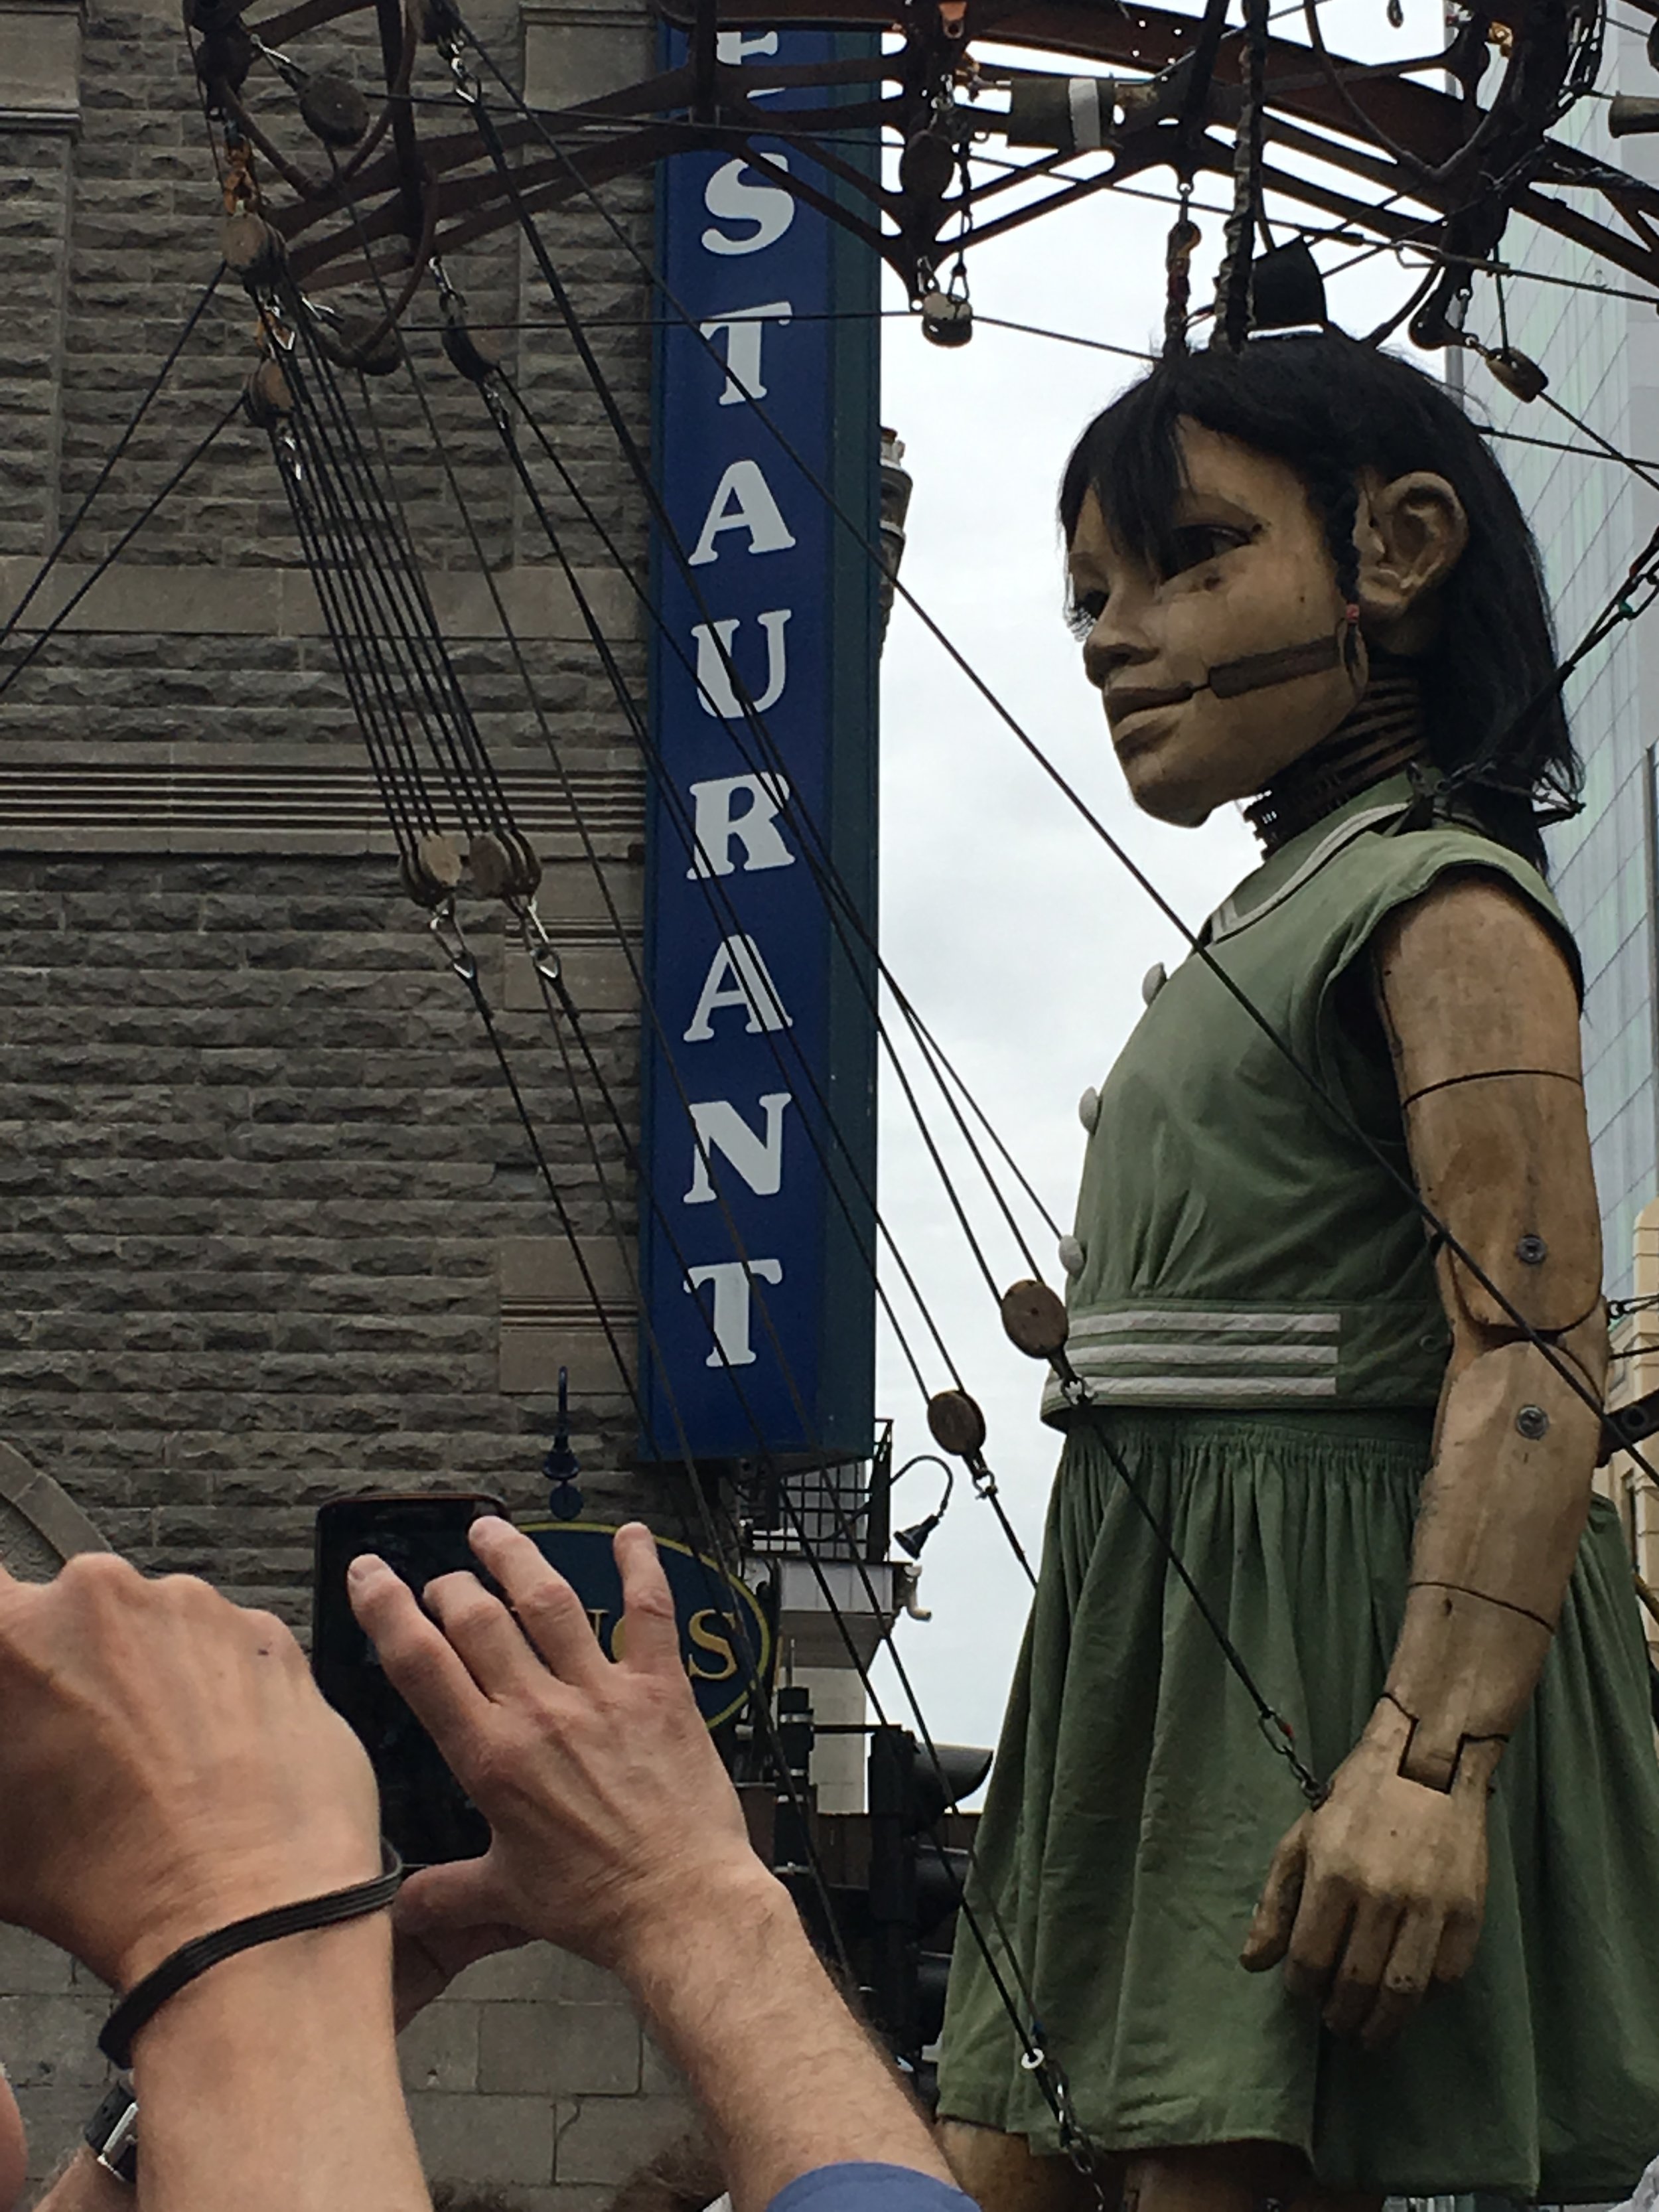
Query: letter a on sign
point(742, 501)
point(737, 977)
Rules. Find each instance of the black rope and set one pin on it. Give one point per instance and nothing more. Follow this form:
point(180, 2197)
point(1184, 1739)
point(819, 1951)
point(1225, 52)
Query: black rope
point(49, 631)
point(113, 457)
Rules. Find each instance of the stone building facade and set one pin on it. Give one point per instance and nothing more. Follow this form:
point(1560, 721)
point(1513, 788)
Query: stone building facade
point(269, 1228)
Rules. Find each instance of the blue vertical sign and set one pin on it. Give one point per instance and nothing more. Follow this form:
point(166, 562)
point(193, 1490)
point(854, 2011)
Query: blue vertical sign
point(756, 1243)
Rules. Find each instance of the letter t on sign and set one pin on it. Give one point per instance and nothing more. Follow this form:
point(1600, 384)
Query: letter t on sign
point(730, 1280)
point(743, 328)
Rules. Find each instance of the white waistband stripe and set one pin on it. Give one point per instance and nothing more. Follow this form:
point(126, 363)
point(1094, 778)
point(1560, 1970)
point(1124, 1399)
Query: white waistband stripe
point(1190, 1327)
point(1195, 1390)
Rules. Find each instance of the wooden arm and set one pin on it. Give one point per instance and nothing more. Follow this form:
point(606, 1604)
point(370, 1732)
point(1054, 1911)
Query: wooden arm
point(1482, 1020)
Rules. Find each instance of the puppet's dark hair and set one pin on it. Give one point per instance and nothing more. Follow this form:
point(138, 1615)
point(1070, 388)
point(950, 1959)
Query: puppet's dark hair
point(1331, 407)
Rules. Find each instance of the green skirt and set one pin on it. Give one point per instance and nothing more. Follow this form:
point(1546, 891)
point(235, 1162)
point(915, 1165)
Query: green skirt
point(1135, 1803)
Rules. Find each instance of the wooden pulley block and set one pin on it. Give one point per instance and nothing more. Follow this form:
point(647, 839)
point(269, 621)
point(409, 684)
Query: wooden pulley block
point(208, 16)
point(371, 348)
point(926, 166)
point(503, 867)
point(224, 57)
point(1517, 372)
point(267, 396)
point(252, 249)
point(438, 861)
point(475, 360)
point(1034, 1320)
point(956, 1424)
point(332, 109)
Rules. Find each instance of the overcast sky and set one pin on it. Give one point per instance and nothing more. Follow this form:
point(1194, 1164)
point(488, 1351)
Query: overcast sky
point(1015, 931)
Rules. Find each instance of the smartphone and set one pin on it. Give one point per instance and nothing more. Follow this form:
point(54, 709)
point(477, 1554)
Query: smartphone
point(424, 1812)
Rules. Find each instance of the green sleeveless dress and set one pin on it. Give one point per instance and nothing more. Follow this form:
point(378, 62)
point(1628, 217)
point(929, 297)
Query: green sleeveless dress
point(1254, 1307)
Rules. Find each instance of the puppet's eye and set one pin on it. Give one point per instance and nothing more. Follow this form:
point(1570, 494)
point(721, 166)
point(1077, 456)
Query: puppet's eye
point(1085, 610)
point(1204, 541)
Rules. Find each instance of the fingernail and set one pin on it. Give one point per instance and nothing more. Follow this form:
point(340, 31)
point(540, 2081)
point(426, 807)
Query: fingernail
point(362, 1567)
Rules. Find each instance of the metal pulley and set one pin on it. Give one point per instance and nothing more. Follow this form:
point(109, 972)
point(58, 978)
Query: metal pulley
point(267, 396)
point(332, 109)
point(503, 866)
point(947, 319)
point(252, 248)
point(1034, 1320)
point(956, 1424)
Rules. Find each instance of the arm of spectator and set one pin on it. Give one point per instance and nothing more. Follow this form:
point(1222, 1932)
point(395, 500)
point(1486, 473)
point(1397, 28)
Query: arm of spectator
point(83, 2185)
point(616, 1833)
point(168, 1766)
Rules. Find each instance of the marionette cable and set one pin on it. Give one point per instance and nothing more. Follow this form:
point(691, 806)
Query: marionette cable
point(642, 471)
point(41, 638)
point(1563, 1367)
point(465, 964)
point(547, 976)
point(841, 906)
point(112, 458)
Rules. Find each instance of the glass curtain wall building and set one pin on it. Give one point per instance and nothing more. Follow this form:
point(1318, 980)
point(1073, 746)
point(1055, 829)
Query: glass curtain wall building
point(1591, 516)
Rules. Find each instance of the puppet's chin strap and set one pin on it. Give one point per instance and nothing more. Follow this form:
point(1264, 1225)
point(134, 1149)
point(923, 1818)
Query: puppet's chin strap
point(1232, 680)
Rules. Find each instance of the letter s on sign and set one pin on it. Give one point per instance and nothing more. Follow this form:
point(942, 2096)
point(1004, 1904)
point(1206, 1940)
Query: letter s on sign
point(768, 207)
point(711, 1639)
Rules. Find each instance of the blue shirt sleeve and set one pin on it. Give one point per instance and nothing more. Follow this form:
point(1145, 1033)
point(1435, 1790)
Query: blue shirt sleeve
point(861, 2186)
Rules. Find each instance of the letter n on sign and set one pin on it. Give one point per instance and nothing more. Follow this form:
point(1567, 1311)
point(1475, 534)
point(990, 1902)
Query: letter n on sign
point(758, 1142)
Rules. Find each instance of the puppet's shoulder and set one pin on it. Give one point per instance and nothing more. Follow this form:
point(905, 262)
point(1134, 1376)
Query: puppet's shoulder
point(1329, 893)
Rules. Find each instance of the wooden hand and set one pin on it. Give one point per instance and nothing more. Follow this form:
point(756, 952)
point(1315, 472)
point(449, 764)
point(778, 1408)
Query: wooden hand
point(1380, 1892)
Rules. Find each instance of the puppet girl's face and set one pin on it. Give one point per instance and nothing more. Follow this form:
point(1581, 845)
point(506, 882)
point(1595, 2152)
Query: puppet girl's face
point(1255, 575)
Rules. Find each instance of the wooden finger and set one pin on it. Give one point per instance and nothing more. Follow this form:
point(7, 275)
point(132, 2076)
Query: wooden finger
point(1360, 1970)
point(1456, 1955)
point(1274, 1917)
point(1406, 1977)
point(1320, 1936)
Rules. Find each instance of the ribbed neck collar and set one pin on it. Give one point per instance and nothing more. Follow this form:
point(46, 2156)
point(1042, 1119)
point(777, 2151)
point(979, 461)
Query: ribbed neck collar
point(1383, 733)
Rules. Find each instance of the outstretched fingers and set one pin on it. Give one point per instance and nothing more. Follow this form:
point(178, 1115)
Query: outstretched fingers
point(548, 1611)
point(419, 1661)
point(651, 1644)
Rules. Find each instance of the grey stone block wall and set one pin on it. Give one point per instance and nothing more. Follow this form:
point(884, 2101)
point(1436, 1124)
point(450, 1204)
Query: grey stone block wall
point(530, 2074)
point(269, 1227)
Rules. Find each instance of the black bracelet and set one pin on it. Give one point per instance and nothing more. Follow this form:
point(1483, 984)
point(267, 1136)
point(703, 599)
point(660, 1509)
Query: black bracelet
point(147, 1998)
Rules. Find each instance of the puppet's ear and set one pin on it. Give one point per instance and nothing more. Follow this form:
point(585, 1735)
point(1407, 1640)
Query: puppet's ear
point(1410, 532)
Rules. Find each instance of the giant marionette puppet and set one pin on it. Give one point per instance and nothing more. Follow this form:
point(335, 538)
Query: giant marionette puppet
point(1301, 578)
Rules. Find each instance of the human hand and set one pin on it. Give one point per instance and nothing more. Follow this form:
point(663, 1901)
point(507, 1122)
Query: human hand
point(167, 1766)
point(1381, 1891)
point(607, 1802)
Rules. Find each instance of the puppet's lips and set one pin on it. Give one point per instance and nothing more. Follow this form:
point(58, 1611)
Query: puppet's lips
point(1121, 704)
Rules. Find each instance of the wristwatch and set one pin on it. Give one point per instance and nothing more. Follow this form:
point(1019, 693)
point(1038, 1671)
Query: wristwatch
point(113, 2132)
